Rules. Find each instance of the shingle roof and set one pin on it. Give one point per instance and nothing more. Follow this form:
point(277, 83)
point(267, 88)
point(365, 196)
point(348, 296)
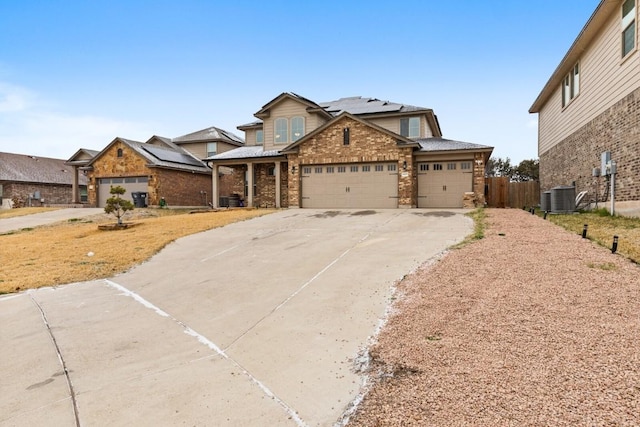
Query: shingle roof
point(358, 105)
point(442, 144)
point(45, 170)
point(210, 134)
point(245, 153)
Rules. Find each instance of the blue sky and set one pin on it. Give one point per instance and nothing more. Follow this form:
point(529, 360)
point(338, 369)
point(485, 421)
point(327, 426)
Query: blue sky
point(79, 73)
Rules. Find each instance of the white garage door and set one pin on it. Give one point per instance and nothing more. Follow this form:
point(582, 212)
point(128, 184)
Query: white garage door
point(131, 184)
point(344, 186)
point(443, 184)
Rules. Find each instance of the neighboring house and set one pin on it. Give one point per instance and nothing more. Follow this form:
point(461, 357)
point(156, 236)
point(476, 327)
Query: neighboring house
point(591, 105)
point(208, 142)
point(38, 181)
point(351, 153)
point(158, 167)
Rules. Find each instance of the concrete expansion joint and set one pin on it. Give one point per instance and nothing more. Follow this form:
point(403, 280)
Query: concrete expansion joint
point(72, 393)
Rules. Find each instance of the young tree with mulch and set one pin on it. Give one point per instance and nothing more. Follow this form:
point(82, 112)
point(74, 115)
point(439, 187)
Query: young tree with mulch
point(117, 205)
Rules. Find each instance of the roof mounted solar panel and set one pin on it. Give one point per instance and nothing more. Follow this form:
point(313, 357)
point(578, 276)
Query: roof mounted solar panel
point(172, 156)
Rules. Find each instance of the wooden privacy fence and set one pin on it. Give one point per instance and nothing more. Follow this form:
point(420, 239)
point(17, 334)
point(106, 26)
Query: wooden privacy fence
point(500, 193)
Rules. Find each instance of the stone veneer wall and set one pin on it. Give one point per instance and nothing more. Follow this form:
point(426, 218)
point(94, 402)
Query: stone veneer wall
point(572, 160)
point(367, 145)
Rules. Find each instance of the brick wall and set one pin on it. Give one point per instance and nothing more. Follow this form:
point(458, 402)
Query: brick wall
point(58, 194)
point(572, 160)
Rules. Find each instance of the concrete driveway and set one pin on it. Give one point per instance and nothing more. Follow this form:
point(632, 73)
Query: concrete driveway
point(44, 218)
point(254, 324)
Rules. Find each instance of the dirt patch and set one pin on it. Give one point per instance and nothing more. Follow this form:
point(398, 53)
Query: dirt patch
point(530, 326)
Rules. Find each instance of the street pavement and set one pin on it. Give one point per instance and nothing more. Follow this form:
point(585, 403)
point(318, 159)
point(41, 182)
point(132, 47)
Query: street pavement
point(258, 323)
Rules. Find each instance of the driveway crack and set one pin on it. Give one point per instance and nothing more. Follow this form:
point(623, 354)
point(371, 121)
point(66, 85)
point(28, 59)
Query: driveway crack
point(61, 359)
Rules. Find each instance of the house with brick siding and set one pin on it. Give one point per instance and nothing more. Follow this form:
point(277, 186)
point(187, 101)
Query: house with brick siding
point(353, 152)
point(157, 167)
point(591, 105)
point(37, 181)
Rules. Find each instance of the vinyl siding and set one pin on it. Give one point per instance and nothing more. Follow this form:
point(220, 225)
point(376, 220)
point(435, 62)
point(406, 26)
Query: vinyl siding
point(604, 79)
point(393, 124)
point(288, 108)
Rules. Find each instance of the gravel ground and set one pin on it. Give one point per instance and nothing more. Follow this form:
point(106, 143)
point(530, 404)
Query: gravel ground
point(531, 326)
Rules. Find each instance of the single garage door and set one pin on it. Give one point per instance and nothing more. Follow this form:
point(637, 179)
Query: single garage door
point(443, 184)
point(131, 184)
point(345, 186)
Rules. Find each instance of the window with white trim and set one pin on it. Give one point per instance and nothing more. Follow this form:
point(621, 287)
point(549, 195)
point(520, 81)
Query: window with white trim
point(410, 127)
point(281, 131)
point(259, 137)
point(212, 149)
point(628, 27)
point(297, 128)
point(571, 85)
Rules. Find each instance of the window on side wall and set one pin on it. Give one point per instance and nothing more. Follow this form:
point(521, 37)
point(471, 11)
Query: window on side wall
point(212, 149)
point(571, 85)
point(628, 27)
point(282, 131)
point(259, 137)
point(297, 128)
point(410, 127)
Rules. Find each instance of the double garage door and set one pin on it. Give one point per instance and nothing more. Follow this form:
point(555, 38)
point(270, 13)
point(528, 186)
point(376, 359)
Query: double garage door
point(344, 186)
point(131, 184)
point(443, 184)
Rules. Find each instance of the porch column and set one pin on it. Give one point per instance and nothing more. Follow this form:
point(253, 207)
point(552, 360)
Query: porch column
point(75, 188)
point(277, 171)
point(249, 185)
point(215, 198)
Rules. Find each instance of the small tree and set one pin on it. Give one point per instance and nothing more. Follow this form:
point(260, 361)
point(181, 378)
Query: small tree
point(116, 205)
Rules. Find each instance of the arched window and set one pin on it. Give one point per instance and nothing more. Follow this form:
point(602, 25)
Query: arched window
point(297, 128)
point(282, 131)
point(119, 152)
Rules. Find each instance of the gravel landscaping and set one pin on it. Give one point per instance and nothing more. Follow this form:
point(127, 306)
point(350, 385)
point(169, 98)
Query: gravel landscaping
point(530, 326)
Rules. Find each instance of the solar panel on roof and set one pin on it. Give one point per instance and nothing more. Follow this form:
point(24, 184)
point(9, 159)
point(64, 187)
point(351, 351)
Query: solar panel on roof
point(171, 156)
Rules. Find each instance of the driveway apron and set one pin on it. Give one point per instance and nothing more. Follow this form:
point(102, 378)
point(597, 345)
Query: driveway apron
point(256, 323)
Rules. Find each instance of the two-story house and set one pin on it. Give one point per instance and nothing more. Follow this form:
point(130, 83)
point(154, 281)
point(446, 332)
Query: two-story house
point(350, 153)
point(591, 105)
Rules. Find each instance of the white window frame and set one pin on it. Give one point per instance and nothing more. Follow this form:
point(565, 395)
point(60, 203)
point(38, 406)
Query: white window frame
point(412, 125)
point(297, 128)
point(571, 85)
point(628, 23)
point(211, 152)
point(281, 130)
point(259, 137)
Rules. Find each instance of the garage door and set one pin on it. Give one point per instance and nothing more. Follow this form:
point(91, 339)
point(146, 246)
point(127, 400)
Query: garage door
point(131, 184)
point(443, 184)
point(344, 186)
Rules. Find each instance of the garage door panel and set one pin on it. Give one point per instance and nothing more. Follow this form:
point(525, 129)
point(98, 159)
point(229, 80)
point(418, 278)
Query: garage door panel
point(346, 186)
point(443, 184)
point(130, 184)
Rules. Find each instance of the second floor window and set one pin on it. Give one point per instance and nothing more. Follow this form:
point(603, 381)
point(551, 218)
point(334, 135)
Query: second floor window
point(628, 27)
point(282, 131)
point(571, 85)
point(259, 137)
point(297, 128)
point(410, 127)
point(212, 149)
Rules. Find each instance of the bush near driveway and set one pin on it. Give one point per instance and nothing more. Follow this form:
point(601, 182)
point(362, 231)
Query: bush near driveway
point(77, 251)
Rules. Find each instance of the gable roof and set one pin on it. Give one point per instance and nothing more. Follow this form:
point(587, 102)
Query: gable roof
point(588, 33)
point(210, 134)
point(401, 139)
point(32, 169)
point(170, 157)
point(311, 106)
point(81, 157)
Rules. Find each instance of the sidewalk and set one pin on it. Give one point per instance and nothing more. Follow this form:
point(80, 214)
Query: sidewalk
point(35, 220)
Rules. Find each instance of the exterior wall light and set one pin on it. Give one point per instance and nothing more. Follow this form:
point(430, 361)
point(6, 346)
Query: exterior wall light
point(404, 165)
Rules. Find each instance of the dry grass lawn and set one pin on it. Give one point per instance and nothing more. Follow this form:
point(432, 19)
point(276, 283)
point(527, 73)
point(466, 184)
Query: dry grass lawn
point(77, 251)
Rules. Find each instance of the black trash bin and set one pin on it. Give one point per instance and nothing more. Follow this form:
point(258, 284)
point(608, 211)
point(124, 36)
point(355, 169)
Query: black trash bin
point(139, 199)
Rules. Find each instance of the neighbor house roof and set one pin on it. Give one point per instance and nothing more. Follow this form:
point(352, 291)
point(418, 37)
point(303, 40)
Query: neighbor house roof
point(581, 43)
point(169, 157)
point(33, 169)
point(358, 105)
point(210, 134)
